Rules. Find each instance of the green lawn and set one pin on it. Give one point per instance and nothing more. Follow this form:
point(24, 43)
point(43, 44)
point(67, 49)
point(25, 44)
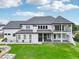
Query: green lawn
point(46, 51)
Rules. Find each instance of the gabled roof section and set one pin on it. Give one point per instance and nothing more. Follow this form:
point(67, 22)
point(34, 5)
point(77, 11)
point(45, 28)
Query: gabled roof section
point(61, 19)
point(40, 20)
point(13, 25)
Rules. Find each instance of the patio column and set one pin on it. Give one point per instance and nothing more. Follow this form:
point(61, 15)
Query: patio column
point(42, 37)
point(71, 28)
point(61, 32)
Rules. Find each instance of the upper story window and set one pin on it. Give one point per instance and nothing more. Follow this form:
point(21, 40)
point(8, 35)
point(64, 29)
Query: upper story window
point(57, 27)
point(27, 27)
point(42, 27)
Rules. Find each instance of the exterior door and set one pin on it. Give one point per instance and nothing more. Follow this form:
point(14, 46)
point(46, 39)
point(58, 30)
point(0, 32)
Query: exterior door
point(40, 37)
point(47, 37)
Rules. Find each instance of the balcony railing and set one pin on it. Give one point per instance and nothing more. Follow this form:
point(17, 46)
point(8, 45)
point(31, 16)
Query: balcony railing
point(65, 30)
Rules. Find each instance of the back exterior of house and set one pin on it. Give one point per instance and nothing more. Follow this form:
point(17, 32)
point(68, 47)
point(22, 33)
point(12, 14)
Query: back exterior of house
point(39, 29)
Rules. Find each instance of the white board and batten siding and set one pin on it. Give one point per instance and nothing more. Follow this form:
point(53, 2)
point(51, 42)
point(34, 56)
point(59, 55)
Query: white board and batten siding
point(34, 38)
point(11, 32)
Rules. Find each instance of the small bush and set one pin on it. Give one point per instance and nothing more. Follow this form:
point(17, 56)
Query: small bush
point(0, 51)
point(5, 39)
point(76, 37)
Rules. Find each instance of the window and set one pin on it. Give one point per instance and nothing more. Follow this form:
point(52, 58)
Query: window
point(54, 36)
point(64, 35)
point(19, 37)
point(46, 27)
point(5, 34)
point(49, 36)
point(24, 36)
point(42, 27)
point(30, 36)
point(13, 34)
point(57, 27)
point(40, 37)
point(27, 27)
point(59, 35)
point(39, 27)
point(63, 27)
point(9, 34)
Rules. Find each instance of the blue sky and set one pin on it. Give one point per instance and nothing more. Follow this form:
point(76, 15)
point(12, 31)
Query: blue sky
point(25, 9)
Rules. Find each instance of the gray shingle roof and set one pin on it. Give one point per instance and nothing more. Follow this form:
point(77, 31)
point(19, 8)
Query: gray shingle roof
point(37, 20)
point(40, 20)
point(13, 25)
point(2, 25)
point(61, 19)
point(24, 32)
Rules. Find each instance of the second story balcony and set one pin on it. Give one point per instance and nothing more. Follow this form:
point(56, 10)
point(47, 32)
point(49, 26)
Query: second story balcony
point(62, 28)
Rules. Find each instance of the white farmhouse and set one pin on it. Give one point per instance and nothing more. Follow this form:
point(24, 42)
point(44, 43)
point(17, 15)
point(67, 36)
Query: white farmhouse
point(39, 29)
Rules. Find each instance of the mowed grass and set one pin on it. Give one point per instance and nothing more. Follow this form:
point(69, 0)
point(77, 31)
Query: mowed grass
point(45, 51)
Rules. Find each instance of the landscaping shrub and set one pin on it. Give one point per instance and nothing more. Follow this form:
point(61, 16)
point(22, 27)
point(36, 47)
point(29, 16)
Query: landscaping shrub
point(5, 39)
point(0, 51)
point(76, 37)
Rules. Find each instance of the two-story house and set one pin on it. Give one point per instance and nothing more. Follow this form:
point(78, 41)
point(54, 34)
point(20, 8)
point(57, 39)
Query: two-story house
point(39, 29)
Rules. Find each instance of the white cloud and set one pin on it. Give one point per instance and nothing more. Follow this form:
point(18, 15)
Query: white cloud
point(58, 6)
point(9, 3)
point(28, 14)
point(4, 21)
point(65, 0)
point(37, 2)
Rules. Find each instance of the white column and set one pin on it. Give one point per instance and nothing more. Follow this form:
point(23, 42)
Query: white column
point(61, 32)
point(71, 28)
point(42, 37)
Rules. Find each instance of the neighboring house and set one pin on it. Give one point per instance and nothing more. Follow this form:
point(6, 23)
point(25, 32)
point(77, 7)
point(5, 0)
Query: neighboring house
point(1, 31)
point(39, 29)
point(1, 26)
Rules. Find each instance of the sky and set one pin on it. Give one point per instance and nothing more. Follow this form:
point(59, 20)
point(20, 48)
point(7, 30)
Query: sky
point(19, 10)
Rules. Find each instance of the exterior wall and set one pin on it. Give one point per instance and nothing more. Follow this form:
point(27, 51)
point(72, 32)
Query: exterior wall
point(11, 31)
point(35, 28)
point(34, 38)
point(24, 27)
